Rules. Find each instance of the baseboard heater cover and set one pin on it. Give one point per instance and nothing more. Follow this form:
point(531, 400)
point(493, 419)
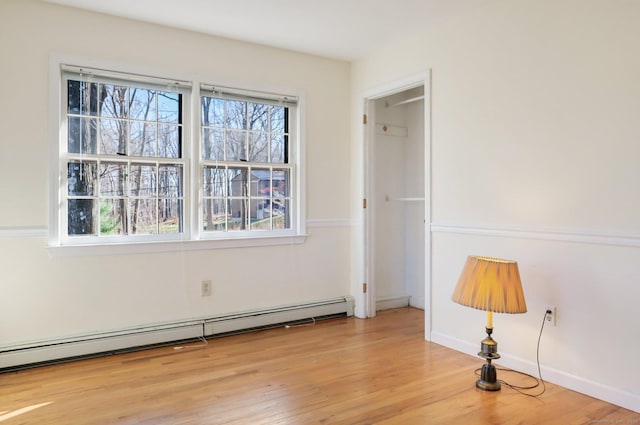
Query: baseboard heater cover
point(21, 356)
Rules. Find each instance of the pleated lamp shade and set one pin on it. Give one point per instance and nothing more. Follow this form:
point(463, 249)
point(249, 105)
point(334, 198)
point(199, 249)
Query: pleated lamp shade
point(490, 284)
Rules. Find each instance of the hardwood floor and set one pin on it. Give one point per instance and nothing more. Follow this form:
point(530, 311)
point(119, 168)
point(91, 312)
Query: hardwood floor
point(339, 371)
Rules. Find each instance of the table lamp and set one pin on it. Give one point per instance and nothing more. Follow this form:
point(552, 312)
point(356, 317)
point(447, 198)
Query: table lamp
point(493, 285)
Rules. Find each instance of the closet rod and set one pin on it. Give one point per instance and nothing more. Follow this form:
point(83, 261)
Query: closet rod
point(387, 198)
point(402, 102)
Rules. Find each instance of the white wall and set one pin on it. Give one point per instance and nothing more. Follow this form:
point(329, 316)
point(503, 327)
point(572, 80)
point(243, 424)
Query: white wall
point(48, 297)
point(535, 158)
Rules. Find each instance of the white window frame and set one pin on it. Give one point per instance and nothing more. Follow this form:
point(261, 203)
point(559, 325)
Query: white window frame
point(192, 237)
point(96, 75)
point(234, 94)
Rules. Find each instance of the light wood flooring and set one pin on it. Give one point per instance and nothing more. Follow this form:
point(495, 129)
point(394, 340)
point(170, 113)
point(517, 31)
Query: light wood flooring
point(338, 371)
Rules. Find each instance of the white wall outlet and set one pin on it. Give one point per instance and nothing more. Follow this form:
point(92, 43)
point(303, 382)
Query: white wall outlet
point(550, 317)
point(206, 288)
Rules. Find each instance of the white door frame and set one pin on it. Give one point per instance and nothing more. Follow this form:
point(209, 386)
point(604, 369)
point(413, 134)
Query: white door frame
point(420, 79)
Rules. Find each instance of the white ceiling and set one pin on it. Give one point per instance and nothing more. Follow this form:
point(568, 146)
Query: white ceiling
point(340, 29)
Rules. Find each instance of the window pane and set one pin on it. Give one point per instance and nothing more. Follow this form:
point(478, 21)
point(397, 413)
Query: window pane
point(143, 104)
point(262, 217)
point(281, 180)
point(143, 180)
point(238, 214)
point(82, 135)
point(261, 182)
point(169, 141)
point(113, 137)
point(112, 217)
point(278, 119)
point(143, 139)
point(82, 98)
point(170, 177)
point(214, 214)
point(238, 182)
point(114, 101)
point(281, 214)
point(215, 182)
point(236, 114)
point(169, 107)
point(238, 208)
point(144, 218)
point(258, 147)
point(212, 144)
point(258, 117)
point(236, 145)
point(212, 112)
point(278, 149)
point(112, 179)
point(80, 217)
point(81, 178)
point(169, 213)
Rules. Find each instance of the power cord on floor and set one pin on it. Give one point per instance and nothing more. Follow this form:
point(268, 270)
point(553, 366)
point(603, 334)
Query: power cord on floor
point(200, 338)
point(520, 388)
point(299, 325)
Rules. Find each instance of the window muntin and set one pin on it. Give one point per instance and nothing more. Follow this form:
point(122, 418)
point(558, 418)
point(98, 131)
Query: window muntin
point(125, 170)
point(246, 169)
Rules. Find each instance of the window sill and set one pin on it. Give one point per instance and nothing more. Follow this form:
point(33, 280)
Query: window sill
point(172, 246)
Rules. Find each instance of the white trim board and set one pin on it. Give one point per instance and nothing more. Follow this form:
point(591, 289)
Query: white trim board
point(23, 232)
point(541, 233)
point(329, 222)
point(606, 393)
point(392, 302)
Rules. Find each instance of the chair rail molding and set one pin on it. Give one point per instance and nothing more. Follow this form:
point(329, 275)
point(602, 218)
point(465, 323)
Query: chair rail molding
point(21, 232)
point(542, 233)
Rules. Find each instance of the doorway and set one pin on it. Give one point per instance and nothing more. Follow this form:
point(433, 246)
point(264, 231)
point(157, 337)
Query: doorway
point(397, 217)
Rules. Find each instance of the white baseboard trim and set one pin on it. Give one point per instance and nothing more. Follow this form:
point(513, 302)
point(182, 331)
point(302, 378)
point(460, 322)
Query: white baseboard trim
point(606, 393)
point(392, 302)
point(19, 355)
point(417, 302)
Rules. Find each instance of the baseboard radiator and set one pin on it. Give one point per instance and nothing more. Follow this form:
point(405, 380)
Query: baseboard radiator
point(37, 353)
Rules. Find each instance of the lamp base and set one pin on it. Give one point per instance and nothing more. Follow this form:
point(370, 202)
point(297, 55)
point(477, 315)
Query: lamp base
point(488, 376)
point(488, 380)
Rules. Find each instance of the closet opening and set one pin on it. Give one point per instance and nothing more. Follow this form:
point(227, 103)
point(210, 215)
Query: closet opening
point(397, 234)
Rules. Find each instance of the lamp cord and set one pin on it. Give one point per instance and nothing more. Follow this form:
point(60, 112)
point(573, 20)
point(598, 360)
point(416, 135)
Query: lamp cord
point(520, 388)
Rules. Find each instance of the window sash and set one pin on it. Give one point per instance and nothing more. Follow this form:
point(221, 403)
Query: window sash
point(148, 81)
point(231, 93)
point(253, 219)
point(165, 216)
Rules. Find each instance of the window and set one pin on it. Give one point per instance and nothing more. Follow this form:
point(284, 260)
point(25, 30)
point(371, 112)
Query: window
point(123, 156)
point(246, 166)
point(132, 171)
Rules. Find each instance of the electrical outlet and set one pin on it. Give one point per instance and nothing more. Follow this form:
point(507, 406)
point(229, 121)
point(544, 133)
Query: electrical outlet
point(206, 288)
point(551, 317)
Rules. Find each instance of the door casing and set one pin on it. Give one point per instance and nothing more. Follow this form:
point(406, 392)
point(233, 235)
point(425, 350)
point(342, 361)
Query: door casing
point(369, 98)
